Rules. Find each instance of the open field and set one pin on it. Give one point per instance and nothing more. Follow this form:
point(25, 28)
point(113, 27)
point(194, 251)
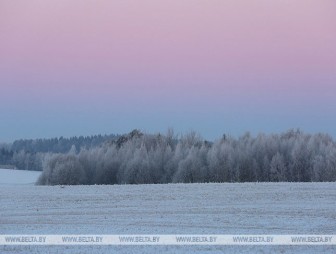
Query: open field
point(249, 208)
point(18, 177)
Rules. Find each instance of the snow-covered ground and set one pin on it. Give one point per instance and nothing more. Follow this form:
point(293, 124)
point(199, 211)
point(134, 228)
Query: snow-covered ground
point(15, 177)
point(249, 208)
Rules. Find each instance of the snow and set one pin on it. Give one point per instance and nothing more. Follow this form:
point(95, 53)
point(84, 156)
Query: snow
point(246, 208)
point(18, 177)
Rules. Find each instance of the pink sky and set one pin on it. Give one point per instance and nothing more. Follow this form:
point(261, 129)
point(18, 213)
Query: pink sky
point(177, 57)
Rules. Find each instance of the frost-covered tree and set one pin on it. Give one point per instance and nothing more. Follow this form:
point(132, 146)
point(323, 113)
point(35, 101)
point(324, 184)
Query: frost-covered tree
point(137, 158)
point(63, 169)
point(278, 169)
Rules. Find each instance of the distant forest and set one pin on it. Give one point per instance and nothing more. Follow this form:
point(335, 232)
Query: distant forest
point(139, 158)
point(29, 154)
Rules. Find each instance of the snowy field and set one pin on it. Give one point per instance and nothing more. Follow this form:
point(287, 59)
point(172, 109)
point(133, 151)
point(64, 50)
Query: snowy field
point(18, 177)
point(249, 208)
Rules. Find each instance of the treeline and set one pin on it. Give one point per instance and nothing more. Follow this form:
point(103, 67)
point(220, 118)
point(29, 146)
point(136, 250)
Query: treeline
point(21, 159)
point(140, 158)
point(29, 154)
point(60, 145)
